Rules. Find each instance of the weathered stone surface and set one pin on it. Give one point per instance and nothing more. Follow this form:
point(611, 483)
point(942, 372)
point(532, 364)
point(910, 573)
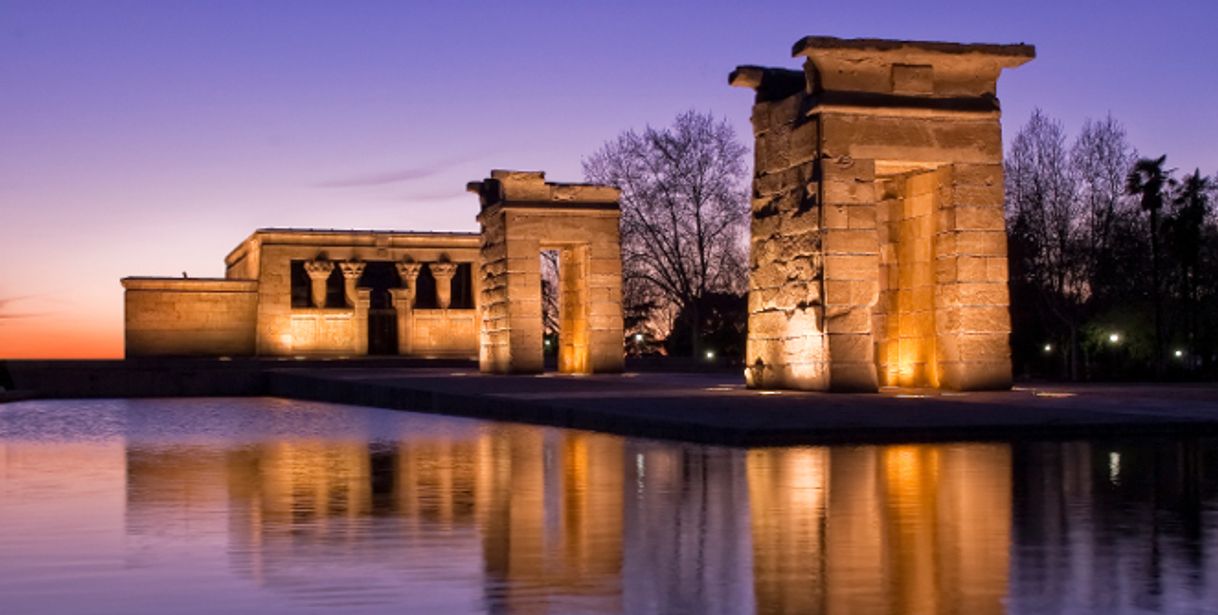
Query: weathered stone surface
point(877, 217)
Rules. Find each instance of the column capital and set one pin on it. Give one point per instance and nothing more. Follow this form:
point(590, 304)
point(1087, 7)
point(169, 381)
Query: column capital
point(408, 271)
point(442, 271)
point(352, 270)
point(319, 270)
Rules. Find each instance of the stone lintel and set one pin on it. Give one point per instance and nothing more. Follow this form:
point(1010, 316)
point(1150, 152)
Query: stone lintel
point(530, 189)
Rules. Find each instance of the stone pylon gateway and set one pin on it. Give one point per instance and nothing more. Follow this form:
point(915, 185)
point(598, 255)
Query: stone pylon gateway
point(522, 214)
point(878, 252)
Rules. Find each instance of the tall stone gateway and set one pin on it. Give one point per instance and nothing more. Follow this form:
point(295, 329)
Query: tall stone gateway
point(522, 215)
point(878, 247)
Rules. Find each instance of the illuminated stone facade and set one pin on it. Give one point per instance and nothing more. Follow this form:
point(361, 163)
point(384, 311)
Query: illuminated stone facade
point(291, 292)
point(522, 214)
point(878, 253)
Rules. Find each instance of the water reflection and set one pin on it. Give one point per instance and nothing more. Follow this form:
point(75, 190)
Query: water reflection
point(254, 505)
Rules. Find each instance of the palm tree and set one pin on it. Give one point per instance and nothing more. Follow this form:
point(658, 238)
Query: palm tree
point(1148, 180)
point(1191, 208)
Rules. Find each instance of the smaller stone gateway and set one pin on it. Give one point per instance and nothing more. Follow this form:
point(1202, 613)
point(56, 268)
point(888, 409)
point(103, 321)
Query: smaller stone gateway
point(522, 215)
point(878, 252)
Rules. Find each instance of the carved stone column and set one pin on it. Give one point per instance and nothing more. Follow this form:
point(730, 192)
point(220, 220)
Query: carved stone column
point(403, 303)
point(319, 271)
point(352, 270)
point(443, 273)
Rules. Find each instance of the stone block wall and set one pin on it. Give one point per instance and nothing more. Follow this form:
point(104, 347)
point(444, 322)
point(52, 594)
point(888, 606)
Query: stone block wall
point(189, 316)
point(444, 333)
point(878, 252)
point(329, 331)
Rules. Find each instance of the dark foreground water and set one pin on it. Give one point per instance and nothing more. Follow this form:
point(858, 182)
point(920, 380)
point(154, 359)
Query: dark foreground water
point(271, 506)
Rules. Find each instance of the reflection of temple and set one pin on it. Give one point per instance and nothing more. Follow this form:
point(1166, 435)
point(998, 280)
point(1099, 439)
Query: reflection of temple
point(531, 520)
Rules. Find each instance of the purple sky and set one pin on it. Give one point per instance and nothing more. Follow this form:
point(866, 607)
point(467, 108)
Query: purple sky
point(148, 138)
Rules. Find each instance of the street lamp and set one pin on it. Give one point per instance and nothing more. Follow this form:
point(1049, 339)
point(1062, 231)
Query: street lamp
point(1114, 338)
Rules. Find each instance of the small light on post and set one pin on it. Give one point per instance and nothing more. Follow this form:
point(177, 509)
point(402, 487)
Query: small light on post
point(1048, 348)
point(1114, 338)
point(1179, 353)
point(710, 355)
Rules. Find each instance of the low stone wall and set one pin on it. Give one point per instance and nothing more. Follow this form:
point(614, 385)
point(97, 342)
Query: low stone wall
point(444, 333)
point(189, 316)
point(328, 331)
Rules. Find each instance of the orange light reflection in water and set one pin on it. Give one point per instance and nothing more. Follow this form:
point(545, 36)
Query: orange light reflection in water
point(556, 517)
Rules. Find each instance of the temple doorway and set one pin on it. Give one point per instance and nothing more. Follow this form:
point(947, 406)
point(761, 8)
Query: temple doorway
point(380, 276)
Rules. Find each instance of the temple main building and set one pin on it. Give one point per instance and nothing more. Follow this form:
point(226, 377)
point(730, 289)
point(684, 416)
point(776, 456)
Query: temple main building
point(317, 292)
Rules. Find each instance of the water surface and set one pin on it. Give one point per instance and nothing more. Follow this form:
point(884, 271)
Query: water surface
point(274, 506)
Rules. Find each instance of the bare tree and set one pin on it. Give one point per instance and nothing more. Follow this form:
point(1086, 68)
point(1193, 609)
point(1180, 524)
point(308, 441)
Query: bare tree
point(1044, 227)
point(684, 212)
point(550, 324)
point(1100, 160)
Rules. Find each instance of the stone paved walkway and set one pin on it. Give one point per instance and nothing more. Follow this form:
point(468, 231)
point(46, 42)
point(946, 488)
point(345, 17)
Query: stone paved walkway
point(716, 408)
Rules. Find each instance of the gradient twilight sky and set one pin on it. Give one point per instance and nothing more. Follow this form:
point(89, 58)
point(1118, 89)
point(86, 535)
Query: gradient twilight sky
point(149, 138)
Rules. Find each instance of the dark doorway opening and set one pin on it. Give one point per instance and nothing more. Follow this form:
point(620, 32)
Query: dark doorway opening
point(380, 276)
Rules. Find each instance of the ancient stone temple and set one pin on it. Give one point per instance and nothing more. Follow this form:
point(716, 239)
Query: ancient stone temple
point(331, 293)
point(292, 292)
point(878, 253)
point(522, 215)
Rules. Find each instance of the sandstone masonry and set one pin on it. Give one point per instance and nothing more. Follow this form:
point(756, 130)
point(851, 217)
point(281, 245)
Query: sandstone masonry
point(878, 253)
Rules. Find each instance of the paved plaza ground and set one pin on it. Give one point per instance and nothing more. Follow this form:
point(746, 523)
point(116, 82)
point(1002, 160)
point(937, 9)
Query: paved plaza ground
point(697, 407)
point(717, 408)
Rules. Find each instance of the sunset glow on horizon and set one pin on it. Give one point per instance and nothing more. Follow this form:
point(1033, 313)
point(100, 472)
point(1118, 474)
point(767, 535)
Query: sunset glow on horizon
point(149, 139)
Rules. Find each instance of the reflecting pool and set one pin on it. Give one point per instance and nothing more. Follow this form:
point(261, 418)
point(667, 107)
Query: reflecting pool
point(275, 506)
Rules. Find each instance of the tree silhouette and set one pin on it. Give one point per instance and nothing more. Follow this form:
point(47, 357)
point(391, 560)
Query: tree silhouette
point(1187, 224)
point(1148, 181)
point(684, 213)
